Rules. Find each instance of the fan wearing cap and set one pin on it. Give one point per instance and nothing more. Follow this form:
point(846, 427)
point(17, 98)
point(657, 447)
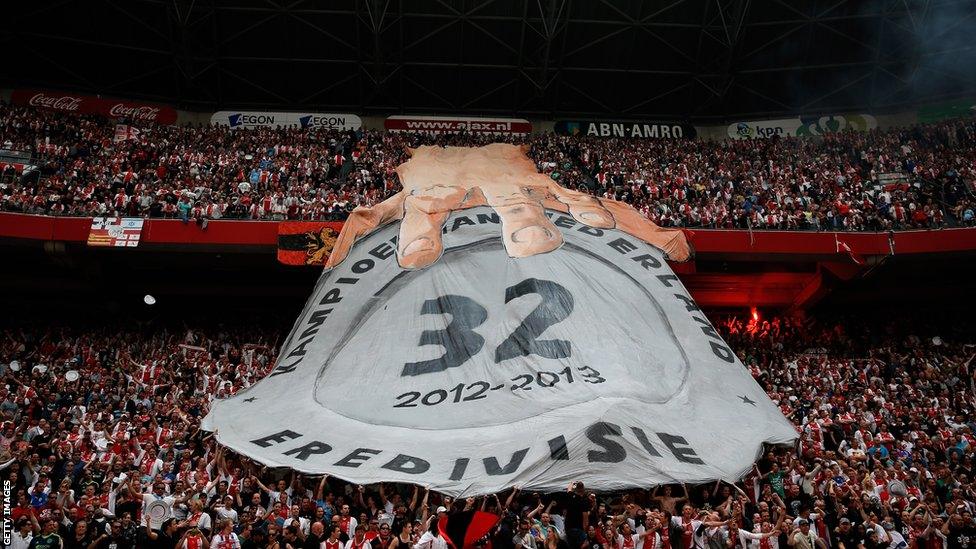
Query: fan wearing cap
point(893, 536)
point(873, 540)
point(845, 535)
point(224, 508)
point(803, 537)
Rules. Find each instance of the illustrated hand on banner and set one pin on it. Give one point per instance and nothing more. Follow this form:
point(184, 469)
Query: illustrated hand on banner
point(437, 181)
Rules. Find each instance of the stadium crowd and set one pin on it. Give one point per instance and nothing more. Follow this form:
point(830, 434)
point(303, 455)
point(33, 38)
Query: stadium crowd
point(920, 177)
point(100, 424)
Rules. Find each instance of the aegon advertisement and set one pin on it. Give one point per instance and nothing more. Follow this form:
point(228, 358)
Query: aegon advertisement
point(445, 124)
point(634, 130)
point(259, 119)
point(87, 104)
point(802, 126)
point(534, 338)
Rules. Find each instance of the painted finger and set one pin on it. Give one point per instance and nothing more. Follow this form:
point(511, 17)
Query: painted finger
point(424, 214)
point(587, 209)
point(673, 242)
point(473, 199)
point(363, 221)
point(526, 230)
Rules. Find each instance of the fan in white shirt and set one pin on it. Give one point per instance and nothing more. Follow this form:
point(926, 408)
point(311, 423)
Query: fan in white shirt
point(225, 510)
point(745, 539)
point(276, 494)
point(226, 538)
point(294, 518)
point(687, 528)
point(158, 494)
point(628, 539)
point(333, 541)
point(197, 518)
point(359, 540)
point(346, 522)
point(430, 540)
point(22, 536)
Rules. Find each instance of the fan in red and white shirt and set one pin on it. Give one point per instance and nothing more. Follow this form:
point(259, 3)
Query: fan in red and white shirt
point(333, 541)
point(225, 538)
point(359, 540)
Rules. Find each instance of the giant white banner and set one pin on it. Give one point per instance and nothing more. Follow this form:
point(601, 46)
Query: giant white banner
point(483, 371)
point(260, 119)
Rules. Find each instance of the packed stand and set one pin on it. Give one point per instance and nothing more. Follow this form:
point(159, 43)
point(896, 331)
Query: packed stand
point(885, 461)
point(921, 177)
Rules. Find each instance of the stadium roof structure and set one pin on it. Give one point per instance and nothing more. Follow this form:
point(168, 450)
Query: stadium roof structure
point(695, 60)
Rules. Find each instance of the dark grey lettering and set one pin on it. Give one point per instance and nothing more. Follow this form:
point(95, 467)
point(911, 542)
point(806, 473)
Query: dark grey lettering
point(363, 266)
point(312, 448)
point(494, 469)
point(279, 437)
point(623, 246)
point(407, 464)
point(558, 449)
point(383, 251)
point(557, 304)
point(689, 303)
point(314, 321)
point(666, 279)
point(286, 369)
point(459, 221)
point(331, 297)
point(598, 434)
point(722, 352)
point(356, 457)
point(460, 466)
point(300, 350)
point(706, 328)
point(564, 222)
point(642, 438)
point(648, 261)
point(679, 447)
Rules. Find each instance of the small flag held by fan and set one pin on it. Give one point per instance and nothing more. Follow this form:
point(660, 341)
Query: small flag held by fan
point(844, 247)
point(124, 132)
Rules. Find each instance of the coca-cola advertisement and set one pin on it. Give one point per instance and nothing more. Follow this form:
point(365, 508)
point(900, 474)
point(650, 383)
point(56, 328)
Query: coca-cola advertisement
point(87, 104)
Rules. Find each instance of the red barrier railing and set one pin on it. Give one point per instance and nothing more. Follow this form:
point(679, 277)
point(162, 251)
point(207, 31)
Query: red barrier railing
point(706, 241)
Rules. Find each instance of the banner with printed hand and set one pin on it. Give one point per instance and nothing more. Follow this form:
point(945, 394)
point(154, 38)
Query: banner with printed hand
point(485, 329)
